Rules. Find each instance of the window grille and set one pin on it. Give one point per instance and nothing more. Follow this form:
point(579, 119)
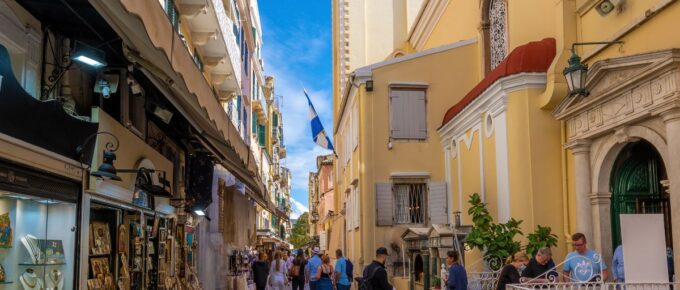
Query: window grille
point(409, 203)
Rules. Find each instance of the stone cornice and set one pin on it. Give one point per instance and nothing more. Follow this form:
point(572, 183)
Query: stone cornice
point(493, 100)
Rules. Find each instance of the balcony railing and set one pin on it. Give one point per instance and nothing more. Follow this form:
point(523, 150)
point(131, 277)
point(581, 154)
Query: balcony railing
point(226, 27)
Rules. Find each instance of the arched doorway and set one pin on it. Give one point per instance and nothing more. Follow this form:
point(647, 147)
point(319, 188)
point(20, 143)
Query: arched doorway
point(636, 187)
point(418, 268)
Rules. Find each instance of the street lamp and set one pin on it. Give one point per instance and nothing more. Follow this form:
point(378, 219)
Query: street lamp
point(577, 73)
point(106, 170)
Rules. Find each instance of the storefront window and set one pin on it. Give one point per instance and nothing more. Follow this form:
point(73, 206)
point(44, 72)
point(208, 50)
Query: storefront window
point(37, 242)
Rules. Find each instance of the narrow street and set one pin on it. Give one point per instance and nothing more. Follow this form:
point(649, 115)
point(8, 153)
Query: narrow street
point(432, 144)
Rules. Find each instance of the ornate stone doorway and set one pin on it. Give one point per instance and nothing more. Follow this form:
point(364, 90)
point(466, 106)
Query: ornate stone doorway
point(637, 189)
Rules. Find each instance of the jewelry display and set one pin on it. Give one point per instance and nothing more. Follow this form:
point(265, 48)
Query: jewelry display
point(31, 244)
point(29, 280)
point(54, 280)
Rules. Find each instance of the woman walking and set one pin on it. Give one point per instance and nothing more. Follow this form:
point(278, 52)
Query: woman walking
point(278, 272)
point(324, 274)
point(510, 272)
point(297, 272)
point(260, 271)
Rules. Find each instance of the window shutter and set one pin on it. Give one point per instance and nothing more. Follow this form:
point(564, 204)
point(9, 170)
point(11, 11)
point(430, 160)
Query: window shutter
point(356, 212)
point(398, 113)
point(355, 125)
point(323, 241)
point(260, 134)
point(419, 114)
point(384, 204)
point(437, 203)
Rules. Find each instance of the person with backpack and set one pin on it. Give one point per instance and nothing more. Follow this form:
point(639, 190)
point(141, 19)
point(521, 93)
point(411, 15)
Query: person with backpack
point(296, 271)
point(375, 274)
point(343, 271)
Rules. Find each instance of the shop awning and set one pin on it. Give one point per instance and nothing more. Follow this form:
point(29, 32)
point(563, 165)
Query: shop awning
point(151, 42)
point(44, 124)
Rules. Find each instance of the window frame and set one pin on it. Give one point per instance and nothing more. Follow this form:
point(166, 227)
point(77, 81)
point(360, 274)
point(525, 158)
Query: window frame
point(423, 202)
point(407, 87)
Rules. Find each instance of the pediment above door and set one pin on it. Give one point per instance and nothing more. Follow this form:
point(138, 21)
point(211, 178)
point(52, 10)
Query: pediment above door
point(622, 90)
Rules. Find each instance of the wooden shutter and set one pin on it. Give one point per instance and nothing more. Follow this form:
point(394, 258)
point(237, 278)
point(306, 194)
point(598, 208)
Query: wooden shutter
point(357, 209)
point(437, 203)
point(384, 207)
point(408, 114)
point(323, 241)
point(398, 103)
point(355, 126)
point(419, 114)
point(260, 135)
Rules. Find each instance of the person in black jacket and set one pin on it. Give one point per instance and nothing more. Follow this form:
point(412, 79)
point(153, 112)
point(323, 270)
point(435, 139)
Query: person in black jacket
point(261, 271)
point(376, 271)
point(510, 272)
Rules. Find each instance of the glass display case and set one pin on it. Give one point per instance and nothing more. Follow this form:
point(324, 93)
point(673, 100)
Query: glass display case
point(37, 242)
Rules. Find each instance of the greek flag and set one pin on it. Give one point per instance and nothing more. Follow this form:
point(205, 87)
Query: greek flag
point(318, 133)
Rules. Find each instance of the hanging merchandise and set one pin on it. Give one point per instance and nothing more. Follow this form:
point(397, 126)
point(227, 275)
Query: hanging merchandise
point(2, 273)
point(100, 239)
point(5, 231)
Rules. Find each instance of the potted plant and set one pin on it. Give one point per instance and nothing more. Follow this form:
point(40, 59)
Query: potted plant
point(436, 283)
point(540, 238)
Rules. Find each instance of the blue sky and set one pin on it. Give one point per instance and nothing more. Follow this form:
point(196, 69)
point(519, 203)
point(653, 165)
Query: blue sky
point(297, 51)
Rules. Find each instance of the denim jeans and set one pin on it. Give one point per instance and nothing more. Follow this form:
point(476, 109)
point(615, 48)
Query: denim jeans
point(312, 285)
point(343, 287)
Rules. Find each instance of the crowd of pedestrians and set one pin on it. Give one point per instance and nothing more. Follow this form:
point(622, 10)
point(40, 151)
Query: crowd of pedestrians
point(317, 271)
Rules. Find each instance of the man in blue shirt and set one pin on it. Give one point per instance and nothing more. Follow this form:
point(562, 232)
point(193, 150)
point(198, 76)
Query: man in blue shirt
point(312, 267)
point(617, 265)
point(583, 264)
point(341, 278)
point(457, 279)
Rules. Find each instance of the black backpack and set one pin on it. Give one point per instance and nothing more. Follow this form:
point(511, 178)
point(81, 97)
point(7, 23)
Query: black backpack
point(366, 282)
point(349, 269)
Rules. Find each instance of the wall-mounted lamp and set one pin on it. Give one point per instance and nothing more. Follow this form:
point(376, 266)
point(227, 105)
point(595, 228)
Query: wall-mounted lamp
point(577, 73)
point(108, 171)
point(88, 55)
point(369, 85)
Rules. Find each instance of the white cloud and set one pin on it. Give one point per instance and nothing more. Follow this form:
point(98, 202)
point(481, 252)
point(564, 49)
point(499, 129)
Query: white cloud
point(297, 209)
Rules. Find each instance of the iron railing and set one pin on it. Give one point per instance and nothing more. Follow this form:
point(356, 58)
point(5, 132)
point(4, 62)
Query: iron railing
point(594, 286)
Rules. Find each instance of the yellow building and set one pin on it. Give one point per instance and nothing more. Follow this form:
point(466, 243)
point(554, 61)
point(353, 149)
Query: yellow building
point(510, 132)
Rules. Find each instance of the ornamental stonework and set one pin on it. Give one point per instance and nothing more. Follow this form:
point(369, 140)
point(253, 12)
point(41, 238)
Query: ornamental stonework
point(627, 107)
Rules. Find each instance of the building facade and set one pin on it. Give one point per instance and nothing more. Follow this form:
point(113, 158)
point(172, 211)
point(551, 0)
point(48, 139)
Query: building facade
point(142, 144)
point(489, 112)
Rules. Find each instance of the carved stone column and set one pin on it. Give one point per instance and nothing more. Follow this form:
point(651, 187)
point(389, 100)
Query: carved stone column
point(601, 240)
point(672, 120)
point(584, 219)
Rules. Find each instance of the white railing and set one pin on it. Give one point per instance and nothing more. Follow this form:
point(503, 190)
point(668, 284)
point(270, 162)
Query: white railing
point(594, 286)
point(482, 280)
point(226, 26)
